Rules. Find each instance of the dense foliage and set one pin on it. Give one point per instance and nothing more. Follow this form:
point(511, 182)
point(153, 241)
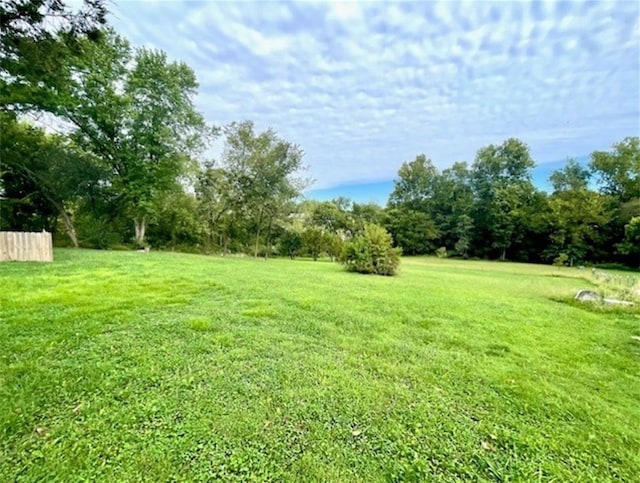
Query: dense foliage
point(126, 168)
point(371, 252)
point(491, 209)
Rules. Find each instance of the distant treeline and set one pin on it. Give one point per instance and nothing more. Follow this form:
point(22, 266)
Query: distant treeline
point(121, 164)
point(492, 210)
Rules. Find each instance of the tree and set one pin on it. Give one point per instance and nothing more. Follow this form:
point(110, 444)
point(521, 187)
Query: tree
point(370, 213)
point(631, 243)
point(262, 168)
point(501, 180)
point(177, 223)
point(572, 177)
point(314, 242)
point(216, 203)
point(291, 242)
point(371, 252)
point(414, 186)
point(452, 200)
point(334, 245)
point(411, 230)
point(463, 231)
point(35, 37)
point(576, 219)
point(42, 175)
point(164, 132)
point(576, 215)
point(618, 171)
point(134, 111)
point(328, 216)
point(533, 229)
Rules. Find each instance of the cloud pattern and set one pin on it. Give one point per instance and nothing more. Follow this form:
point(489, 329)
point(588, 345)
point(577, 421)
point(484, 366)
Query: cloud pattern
point(363, 87)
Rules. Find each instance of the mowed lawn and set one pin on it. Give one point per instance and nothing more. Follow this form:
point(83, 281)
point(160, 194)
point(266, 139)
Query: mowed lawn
point(124, 366)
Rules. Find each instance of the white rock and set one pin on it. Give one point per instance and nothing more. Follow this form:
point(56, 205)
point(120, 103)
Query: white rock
point(588, 296)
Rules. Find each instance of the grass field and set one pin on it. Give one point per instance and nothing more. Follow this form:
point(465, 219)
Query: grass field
point(123, 366)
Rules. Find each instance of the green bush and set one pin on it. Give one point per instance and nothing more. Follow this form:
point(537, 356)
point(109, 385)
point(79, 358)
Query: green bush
point(441, 252)
point(561, 260)
point(371, 252)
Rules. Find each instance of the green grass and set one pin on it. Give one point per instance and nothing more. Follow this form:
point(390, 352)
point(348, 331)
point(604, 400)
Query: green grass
point(168, 367)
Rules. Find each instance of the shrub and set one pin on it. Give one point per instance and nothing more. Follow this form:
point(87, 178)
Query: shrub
point(371, 252)
point(441, 252)
point(561, 260)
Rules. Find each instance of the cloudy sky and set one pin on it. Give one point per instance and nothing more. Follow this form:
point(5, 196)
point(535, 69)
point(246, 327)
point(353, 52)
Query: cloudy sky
point(364, 86)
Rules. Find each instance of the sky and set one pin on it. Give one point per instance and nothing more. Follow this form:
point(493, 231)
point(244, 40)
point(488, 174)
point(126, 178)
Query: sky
point(364, 86)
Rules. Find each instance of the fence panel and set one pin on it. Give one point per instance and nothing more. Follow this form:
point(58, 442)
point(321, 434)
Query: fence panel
point(26, 246)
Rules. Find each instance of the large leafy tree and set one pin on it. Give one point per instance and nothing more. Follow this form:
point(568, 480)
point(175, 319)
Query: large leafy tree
point(451, 207)
point(328, 216)
point(408, 217)
point(314, 241)
point(367, 213)
point(572, 177)
point(415, 184)
point(134, 111)
point(618, 171)
point(42, 177)
point(264, 176)
point(576, 215)
point(501, 178)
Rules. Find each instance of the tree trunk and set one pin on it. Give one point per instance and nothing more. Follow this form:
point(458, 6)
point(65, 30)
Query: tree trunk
point(140, 226)
point(66, 219)
point(255, 252)
point(173, 233)
point(503, 257)
point(266, 252)
point(68, 225)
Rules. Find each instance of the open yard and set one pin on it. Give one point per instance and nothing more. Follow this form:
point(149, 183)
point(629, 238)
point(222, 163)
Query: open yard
point(124, 366)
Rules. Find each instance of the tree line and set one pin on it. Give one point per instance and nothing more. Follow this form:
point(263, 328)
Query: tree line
point(491, 209)
point(123, 164)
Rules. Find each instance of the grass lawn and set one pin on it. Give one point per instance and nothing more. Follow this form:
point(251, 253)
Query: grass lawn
point(124, 366)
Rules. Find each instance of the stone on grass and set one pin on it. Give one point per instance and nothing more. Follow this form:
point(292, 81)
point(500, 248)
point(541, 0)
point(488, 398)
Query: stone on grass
point(588, 296)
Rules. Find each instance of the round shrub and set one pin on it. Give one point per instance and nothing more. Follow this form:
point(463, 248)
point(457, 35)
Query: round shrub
point(371, 252)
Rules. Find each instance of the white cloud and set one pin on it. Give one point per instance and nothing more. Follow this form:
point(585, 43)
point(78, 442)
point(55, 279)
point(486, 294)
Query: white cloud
point(364, 86)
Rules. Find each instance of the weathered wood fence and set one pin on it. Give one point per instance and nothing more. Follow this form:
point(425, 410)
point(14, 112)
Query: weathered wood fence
point(26, 246)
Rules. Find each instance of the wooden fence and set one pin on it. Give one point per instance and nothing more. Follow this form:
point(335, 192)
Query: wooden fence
point(26, 246)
